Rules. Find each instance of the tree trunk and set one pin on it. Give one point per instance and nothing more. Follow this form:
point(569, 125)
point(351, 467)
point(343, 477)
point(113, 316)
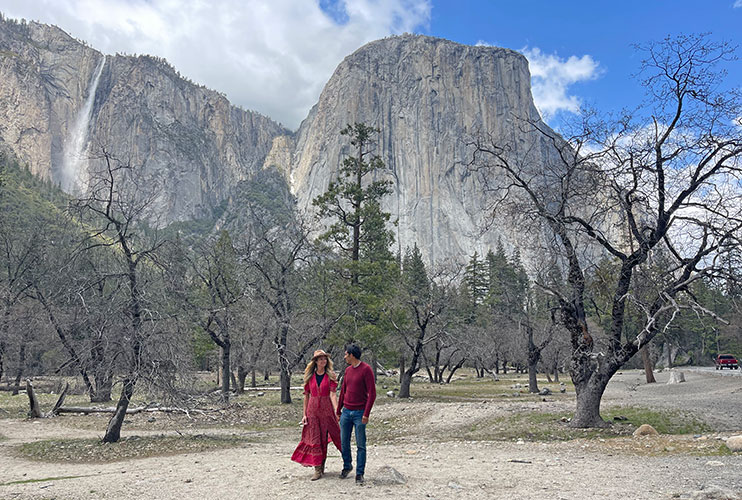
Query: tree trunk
point(401, 367)
point(556, 368)
point(532, 381)
point(21, 365)
point(375, 366)
point(33, 402)
point(589, 391)
point(534, 355)
point(226, 371)
point(253, 380)
point(669, 355)
point(285, 385)
point(267, 375)
point(453, 370)
point(504, 366)
point(2, 354)
point(241, 376)
point(113, 432)
point(404, 385)
point(647, 361)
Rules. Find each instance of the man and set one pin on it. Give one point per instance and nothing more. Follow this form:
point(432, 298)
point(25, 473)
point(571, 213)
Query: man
point(357, 396)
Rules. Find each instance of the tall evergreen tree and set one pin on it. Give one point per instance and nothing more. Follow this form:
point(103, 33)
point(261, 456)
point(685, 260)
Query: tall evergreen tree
point(358, 228)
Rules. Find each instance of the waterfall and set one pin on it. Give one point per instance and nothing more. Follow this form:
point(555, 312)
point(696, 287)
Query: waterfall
point(74, 175)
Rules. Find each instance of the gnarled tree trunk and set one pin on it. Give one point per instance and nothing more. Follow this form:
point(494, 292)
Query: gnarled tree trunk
point(113, 432)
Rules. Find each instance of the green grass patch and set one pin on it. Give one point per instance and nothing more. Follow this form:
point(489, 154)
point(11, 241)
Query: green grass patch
point(94, 451)
point(536, 426)
point(664, 421)
point(467, 388)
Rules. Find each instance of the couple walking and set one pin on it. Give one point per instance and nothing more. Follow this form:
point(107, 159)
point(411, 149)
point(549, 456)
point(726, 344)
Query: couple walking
point(322, 409)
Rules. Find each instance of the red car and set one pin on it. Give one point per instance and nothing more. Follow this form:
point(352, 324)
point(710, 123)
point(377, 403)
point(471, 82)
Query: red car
point(726, 361)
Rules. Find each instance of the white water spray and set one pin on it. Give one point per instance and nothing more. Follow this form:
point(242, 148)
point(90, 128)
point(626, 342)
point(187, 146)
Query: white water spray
point(74, 174)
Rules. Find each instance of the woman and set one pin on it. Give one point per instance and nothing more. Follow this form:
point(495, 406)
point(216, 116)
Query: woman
point(319, 419)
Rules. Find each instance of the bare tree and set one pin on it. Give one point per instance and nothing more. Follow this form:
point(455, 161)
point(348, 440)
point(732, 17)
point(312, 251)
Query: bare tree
point(420, 319)
point(116, 208)
point(218, 293)
point(662, 182)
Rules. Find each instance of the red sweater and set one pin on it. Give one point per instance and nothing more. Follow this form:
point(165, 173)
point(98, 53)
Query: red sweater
point(358, 391)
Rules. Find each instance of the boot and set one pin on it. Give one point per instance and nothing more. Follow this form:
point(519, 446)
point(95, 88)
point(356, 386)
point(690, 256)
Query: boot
point(317, 473)
point(322, 467)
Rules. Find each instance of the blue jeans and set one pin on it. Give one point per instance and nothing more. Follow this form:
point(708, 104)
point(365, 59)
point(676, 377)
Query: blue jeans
point(348, 420)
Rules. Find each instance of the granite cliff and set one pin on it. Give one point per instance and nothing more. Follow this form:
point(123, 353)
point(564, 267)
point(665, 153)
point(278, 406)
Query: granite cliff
point(428, 97)
point(60, 101)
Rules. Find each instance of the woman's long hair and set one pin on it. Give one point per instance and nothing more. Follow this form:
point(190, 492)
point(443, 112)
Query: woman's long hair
point(312, 366)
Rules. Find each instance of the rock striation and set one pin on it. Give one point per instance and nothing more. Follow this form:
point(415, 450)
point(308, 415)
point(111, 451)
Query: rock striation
point(429, 97)
point(187, 140)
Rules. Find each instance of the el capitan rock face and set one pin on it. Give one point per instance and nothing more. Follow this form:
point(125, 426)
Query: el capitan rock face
point(428, 97)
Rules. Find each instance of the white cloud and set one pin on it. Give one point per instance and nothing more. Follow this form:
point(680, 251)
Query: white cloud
point(272, 56)
point(738, 4)
point(551, 77)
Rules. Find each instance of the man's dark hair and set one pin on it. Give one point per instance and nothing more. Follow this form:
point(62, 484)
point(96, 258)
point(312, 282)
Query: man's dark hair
point(354, 350)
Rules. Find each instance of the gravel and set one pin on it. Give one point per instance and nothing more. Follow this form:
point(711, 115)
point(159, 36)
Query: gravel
point(577, 469)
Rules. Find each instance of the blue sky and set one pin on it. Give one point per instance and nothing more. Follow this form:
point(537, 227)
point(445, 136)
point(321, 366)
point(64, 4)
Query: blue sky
point(274, 56)
point(604, 31)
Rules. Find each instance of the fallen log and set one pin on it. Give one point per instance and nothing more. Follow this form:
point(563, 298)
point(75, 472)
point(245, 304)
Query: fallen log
point(131, 411)
point(272, 388)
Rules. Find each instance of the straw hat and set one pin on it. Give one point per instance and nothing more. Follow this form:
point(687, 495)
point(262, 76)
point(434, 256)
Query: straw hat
point(318, 353)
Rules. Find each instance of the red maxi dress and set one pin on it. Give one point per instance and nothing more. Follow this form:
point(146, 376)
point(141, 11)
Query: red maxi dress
point(321, 423)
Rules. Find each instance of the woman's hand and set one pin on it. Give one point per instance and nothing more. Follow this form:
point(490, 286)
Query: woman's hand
point(304, 420)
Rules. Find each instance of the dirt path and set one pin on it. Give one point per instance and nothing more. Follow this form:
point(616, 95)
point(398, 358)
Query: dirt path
point(453, 469)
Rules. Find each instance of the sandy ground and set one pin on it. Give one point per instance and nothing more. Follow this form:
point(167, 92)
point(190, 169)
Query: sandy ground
point(578, 469)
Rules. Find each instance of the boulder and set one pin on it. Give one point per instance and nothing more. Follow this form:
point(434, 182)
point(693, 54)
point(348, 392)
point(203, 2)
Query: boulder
point(545, 391)
point(390, 394)
point(645, 430)
point(387, 475)
point(734, 443)
point(676, 378)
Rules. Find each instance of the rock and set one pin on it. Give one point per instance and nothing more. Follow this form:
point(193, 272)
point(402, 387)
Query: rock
point(424, 94)
point(734, 443)
point(620, 418)
point(516, 386)
point(562, 387)
point(544, 392)
point(387, 475)
point(645, 430)
point(455, 486)
point(186, 137)
point(676, 377)
point(261, 394)
point(390, 394)
point(714, 463)
point(713, 492)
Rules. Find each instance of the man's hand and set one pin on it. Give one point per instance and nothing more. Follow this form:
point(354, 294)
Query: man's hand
point(364, 419)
